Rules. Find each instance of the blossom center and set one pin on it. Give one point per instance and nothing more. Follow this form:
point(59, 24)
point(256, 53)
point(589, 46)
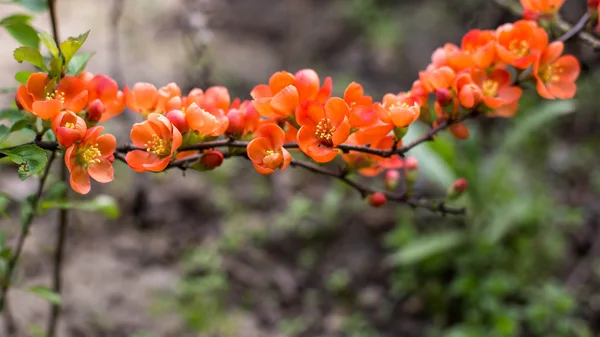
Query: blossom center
point(324, 132)
point(70, 125)
point(59, 95)
point(519, 47)
point(490, 88)
point(550, 72)
point(90, 154)
point(272, 159)
point(158, 146)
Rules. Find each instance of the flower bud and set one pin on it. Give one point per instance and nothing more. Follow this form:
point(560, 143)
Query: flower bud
point(392, 177)
point(111, 158)
point(529, 14)
point(94, 111)
point(377, 199)
point(411, 169)
point(19, 106)
point(593, 6)
point(236, 122)
point(177, 118)
point(460, 131)
point(443, 96)
point(212, 159)
point(457, 189)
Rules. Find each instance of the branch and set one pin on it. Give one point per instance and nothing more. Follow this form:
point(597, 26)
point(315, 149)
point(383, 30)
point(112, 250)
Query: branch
point(366, 190)
point(24, 232)
point(566, 28)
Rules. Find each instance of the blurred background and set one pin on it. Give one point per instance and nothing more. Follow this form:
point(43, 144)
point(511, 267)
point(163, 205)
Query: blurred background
point(234, 253)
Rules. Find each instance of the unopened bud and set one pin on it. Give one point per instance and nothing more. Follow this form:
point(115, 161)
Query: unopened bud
point(377, 199)
point(593, 6)
point(529, 14)
point(443, 96)
point(457, 189)
point(111, 158)
point(392, 177)
point(460, 131)
point(411, 170)
point(212, 159)
point(19, 106)
point(94, 110)
point(177, 118)
point(236, 122)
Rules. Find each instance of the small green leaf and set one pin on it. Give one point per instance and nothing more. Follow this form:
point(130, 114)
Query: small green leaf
point(15, 18)
point(11, 114)
point(46, 293)
point(70, 47)
point(427, 246)
point(31, 159)
point(4, 200)
point(22, 76)
point(30, 55)
point(33, 5)
point(56, 64)
point(20, 125)
point(78, 63)
point(50, 43)
point(4, 132)
point(24, 34)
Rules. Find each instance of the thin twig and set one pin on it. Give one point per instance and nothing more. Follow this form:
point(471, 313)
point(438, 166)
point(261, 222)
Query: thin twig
point(53, 21)
point(58, 258)
point(575, 29)
point(24, 232)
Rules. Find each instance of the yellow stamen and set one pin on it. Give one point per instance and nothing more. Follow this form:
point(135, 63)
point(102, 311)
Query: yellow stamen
point(158, 146)
point(70, 125)
point(550, 72)
point(324, 132)
point(59, 95)
point(90, 155)
point(490, 88)
point(519, 47)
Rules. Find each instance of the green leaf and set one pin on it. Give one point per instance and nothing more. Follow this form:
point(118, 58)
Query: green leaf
point(56, 67)
point(427, 246)
point(103, 203)
point(24, 34)
point(4, 132)
point(20, 125)
point(31, 159)
point(70, 47)
point(33, 5)
point(31, 55)
point(78, 63)
point(11, 114)
point(4, 200)
point(50, 43)
point(15, 18)
point(535, 119)
point(46, 293)
point(22, 76)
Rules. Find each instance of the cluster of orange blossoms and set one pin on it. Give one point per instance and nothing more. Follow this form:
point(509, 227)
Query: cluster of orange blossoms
point(482, 75)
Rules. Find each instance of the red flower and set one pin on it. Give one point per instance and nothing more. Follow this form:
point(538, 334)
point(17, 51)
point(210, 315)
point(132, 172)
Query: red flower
point(266, 150)
point(556, 74)
point(90, 158)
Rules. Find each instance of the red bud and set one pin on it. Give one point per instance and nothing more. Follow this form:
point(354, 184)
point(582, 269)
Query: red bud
point(392, 177)
point(411, 164)
point(529, 14)
point(443, 96)
point(377, 199)
point(111, 158)
point(236, 122)
point(177, 118)
point(94, 110)
point(593, 4)
point(458, 188)
point(212, 159)
point(460, 131)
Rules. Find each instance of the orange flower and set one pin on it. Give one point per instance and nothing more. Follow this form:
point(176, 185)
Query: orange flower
point(480, 45)
point(520, 43)
point(43, 98)
point(450, 55)
point(437, 78)
point(68, 128)
point(399, 110)
point(105, 98)
point(498, 93)
point(91, 158)
point(545, 7)
point(166, 94)
point(212, 122)
point(556, 74)
point(266, 150)
point(243, 119)
point(323, 127)
point(143, 98)
point(160, 139)
point(361, 111)
point(283, 94)
point(469, 94)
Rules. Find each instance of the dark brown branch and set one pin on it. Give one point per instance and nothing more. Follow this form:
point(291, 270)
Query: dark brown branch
point(53, 21)
point(12, 263)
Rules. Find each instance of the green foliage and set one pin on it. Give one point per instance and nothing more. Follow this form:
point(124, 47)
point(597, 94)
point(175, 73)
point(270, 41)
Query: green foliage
point(489, 274)
point(30, 158)
point(31, 55)
point(45, 293)
point(104, 204)
point(77, 63)
point(17, 25)
point(70, 47)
